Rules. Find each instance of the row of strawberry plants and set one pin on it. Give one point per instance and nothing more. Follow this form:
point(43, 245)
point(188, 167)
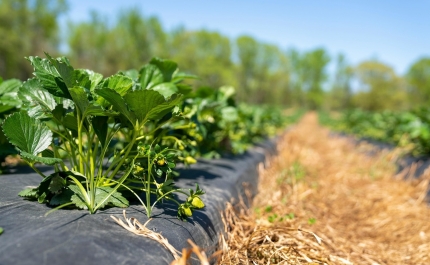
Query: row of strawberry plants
point(113, 138)
point(409, 130)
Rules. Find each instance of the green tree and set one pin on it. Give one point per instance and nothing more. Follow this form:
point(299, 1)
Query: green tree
point(27, 28)
point(340, 93)
point(418, 78)
point(262, 72)
point(295, 66)
point(203, 53)
point(247, 53)
point(379, 87)
point(314, 70)
point(308, 74)
point(131, 41)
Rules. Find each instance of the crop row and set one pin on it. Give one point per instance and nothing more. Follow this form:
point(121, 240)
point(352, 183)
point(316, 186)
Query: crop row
point(115, 138)
point(409, 130)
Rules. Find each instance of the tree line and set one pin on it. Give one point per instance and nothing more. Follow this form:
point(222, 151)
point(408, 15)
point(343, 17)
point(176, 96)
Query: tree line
point(262, 73)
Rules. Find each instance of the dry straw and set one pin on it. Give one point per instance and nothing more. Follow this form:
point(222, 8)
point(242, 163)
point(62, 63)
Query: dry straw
point(325, 200)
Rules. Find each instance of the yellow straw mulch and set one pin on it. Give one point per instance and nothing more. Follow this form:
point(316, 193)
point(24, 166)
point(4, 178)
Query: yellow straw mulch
point(323, 200)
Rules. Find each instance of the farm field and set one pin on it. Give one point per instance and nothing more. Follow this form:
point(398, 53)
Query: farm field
point(276, 132)
point(324, 201)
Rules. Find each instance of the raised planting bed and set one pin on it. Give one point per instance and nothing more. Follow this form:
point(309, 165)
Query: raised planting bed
point(77, 237)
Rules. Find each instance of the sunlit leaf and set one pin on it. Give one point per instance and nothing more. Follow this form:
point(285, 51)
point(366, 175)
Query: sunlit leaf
point(26, 133)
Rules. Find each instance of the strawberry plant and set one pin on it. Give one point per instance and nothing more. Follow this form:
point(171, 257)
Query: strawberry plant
point(70, 119)
point(8, 104)
point(408, 129)
point(222, 126)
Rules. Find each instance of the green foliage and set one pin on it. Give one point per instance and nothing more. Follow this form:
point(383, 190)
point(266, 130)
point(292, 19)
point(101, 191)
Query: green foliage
point(222, 126)
point(276, 218)
point(295, 173)
point(409, 129)
point(418, 78)
point(77, 113)
point(31, 27)
point(109, 138)
point(340, 95)
point(9, 103)
point(1, 230)
point(30, 136)
point(381, 88)
point(312, 221)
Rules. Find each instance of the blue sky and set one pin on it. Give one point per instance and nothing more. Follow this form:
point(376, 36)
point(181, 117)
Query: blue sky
point(394, 32)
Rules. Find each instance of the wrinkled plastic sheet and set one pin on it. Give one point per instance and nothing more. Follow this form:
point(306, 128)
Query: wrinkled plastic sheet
point(75, 237)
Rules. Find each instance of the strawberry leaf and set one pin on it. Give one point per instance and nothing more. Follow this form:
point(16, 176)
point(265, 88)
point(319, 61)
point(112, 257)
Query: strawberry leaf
point(28, 134)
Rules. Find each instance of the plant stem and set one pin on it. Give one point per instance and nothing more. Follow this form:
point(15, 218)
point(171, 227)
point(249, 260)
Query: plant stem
point(148, 187)
point(128, 149)
point(81, 162)
point(35, 169)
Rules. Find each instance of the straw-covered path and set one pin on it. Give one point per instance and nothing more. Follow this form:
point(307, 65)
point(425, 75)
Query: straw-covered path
point(325, 200)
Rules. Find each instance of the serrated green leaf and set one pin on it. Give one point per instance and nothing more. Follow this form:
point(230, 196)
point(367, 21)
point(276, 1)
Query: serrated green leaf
point(45, 183)
point(100, 125)
point(101, 194)
point(115, 199)
point(118, 200)
point(184, 89)
point(8, 95)
point(87, 108)
point(70, 122)
point(149, 104)
point(94, 77)
point(81, 78)
point(166, 89)
point(80, 98)
point(94, 110)
point(29, 193)
point(10, 99)
point(64, 69)
point(9, 86)
point(77, 198)
point(149, 76)
point(179, 77)
point(67, 103)
point(78, 201)
point(62, 198)
point(166, 67)
point(119, 83)
point(58, 112)
point(117, 102)
point(44, 160)
point(37, 100)
point(26, 133)
point(48, 153)
point(132, 73)
point(49, 77)
point(57, 183)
